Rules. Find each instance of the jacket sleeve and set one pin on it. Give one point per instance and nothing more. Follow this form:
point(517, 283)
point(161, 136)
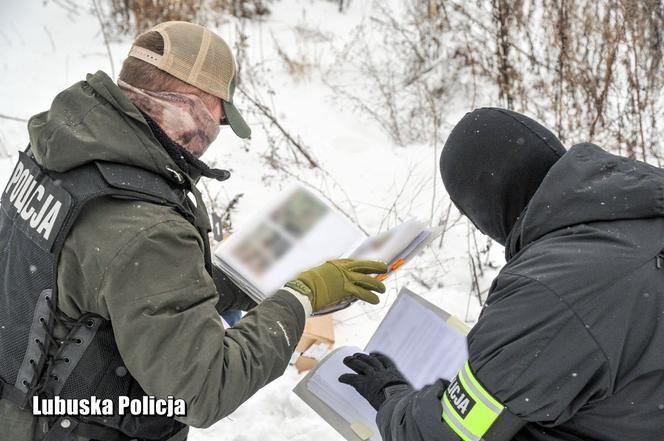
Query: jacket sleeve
point(535, 354)
point(231, 296)
point(161, 302)
point(528, 350)
point(415, 415)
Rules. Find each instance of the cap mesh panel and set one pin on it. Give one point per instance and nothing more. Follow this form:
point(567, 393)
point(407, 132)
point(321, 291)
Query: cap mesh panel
point(218, 69)
point(218, 66)
point(185, 44)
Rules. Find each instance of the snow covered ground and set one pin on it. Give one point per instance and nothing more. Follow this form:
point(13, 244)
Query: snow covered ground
point(46, 48)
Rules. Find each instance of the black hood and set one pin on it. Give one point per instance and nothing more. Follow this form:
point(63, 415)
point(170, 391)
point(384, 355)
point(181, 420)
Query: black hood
point(586, 185)
point(492, 163)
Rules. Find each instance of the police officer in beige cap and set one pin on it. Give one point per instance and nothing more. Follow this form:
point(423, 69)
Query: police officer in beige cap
point(130, 305)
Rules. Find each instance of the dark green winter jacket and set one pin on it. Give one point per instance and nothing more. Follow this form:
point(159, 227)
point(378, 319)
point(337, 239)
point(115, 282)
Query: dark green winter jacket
point(142, 266)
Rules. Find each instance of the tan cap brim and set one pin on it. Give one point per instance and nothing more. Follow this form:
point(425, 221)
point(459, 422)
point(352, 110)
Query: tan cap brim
point(235, 120)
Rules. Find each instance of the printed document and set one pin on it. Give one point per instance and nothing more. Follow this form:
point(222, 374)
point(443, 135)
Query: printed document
point(426, 344)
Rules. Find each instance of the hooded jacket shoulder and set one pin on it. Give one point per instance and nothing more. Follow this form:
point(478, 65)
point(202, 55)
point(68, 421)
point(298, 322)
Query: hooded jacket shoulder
point(93, 120)
point(571, 329)
point(571, 334)
point(588, 185)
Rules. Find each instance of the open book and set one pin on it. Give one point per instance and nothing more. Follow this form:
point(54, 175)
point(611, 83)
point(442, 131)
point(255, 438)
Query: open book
point(425, 342)
point(298, 231)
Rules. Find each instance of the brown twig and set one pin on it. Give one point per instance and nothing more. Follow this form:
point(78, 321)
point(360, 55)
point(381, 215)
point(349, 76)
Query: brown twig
point(266, 112)
point(13, 118)
point(103, 33)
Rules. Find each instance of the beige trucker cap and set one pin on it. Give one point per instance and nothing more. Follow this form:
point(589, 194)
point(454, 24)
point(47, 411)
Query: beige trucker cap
point(199, 57)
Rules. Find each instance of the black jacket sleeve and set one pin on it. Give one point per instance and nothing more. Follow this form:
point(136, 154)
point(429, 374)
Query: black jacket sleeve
point(415, 415)
point(528, 349)
point(231, 297)
point(535, 354)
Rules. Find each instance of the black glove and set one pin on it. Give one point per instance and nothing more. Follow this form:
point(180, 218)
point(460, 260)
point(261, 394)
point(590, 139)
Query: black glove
point(375, 373)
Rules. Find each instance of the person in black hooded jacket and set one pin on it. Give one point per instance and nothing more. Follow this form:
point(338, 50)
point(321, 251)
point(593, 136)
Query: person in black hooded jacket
point(570, 343)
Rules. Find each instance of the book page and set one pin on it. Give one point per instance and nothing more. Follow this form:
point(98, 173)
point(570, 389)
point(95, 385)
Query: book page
point(295, 232)
point(425, 238)
point(388, 245)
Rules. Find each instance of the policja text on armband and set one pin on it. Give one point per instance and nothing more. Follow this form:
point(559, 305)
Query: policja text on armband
point(94, 406)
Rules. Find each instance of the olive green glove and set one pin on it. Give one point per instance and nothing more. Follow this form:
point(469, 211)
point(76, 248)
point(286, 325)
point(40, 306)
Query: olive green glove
point(337, 280)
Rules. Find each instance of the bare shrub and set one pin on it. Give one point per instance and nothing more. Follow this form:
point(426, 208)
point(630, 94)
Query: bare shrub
point(397, 63)
point(131, 17)
point(592, 71)
point(304, 59)
point(599, 73)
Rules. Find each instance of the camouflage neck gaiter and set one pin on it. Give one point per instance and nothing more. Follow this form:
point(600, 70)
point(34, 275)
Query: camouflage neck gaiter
point(182, 116)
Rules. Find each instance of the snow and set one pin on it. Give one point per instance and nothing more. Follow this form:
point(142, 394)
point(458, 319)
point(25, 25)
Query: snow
point(46, 48)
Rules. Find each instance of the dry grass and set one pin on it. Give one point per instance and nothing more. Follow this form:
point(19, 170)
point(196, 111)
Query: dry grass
point(592, 71)
point(131, 17)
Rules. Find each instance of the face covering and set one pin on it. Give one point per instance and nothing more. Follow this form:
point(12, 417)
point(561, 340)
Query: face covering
point(492, 163)
point(184, 117)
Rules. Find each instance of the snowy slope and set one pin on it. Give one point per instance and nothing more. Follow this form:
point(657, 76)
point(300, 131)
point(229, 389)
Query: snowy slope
point(46, 48)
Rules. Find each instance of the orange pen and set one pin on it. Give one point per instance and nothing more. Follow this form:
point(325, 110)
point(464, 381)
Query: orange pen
point(394, 266)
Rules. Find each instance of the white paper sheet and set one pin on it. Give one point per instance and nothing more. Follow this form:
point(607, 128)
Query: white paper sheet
point(341, 397)
point(416, 336)
point(423, 346)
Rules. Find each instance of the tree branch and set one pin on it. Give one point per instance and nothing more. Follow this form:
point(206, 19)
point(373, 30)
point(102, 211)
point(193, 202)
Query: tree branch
point(103, 33)
point(265, 111)
point(13, 118)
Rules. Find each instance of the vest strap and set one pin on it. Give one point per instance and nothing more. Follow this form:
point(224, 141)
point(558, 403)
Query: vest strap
point(61, 430)
point(10, 393)
point(99, 179)
point(144, 182)
point(65, 426)
point(100, 433)
point(25, 379)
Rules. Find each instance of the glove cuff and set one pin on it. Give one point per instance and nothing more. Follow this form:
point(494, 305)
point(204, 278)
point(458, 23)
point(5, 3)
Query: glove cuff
point(300, 287)
point(305, 301)
point(304, 289)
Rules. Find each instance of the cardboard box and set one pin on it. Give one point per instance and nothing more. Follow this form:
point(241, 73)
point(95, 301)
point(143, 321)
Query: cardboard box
point(303, 364)
point(319, 328)
point(317, 331)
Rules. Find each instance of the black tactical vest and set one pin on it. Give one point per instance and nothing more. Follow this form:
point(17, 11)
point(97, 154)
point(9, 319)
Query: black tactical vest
point(37, 210)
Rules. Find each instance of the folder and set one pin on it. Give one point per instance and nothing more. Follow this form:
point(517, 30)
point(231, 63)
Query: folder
point(425, 342)
point(297, 231)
